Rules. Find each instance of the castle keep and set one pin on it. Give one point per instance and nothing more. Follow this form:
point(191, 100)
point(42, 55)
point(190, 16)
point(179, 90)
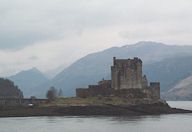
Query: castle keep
point(126, 74)
point(127, 80)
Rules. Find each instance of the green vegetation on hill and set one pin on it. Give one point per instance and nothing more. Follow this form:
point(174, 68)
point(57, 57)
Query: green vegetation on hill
point(9, 90)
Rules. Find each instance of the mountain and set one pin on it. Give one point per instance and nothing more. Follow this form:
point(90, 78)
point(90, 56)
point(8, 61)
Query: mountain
point(161, 63)
point(28, 80)
point(169, 71)
point(181, 90)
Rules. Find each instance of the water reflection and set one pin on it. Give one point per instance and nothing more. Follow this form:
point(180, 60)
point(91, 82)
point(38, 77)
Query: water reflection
point(135, 119)
point(112, 119)
point(157, 123)
point(154, 123)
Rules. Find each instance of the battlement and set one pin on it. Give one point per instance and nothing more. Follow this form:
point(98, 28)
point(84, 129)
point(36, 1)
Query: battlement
point(131, 63)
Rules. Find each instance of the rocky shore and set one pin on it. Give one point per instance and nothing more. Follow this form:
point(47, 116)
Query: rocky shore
point(91, 110)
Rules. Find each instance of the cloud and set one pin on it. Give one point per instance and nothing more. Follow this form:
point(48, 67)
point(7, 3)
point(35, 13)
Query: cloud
point(33, 58)
point(25, 23)
point(47, 34)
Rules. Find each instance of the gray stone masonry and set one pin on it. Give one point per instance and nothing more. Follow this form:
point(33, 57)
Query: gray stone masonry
point(126, 81)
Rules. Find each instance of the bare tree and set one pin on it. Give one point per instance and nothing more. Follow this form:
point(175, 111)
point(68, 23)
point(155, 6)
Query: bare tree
point(60, 94)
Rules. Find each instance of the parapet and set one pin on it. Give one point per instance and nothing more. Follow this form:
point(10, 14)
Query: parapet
point(155, 84)
point(126, 62)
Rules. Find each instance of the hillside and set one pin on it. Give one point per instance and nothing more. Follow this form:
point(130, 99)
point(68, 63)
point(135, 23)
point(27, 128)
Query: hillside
point(158, 58)
point(28, 80)
point(169, 71)
point(181, 90)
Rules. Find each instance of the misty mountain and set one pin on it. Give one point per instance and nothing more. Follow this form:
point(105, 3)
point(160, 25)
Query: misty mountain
point(182, 90)
point(169, 71)
point(28, 80)
point(160, 64)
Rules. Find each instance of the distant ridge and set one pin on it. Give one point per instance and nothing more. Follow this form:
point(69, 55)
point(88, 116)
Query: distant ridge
point(182, 90)
point(95, 66)
point(28, 80)
point(165, 63)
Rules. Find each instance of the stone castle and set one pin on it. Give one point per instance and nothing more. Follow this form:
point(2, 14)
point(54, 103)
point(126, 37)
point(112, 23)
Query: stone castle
point(126, 81)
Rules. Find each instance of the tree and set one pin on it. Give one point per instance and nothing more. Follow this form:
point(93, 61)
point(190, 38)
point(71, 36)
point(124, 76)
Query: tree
point(60, 94)
point(51, 94)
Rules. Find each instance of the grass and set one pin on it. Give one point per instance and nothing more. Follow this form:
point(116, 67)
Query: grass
point(73, 101)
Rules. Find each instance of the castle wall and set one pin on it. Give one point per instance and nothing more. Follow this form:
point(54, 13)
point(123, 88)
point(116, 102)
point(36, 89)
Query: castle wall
point(93, 92)
point(102, 89)
point(126, 73)
point(82, 92)
point(155, 87)
point(144, 82)
point(131, 93)
point(126, 81)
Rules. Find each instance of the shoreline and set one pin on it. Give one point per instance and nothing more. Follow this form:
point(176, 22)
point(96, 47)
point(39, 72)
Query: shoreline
point(91, 110)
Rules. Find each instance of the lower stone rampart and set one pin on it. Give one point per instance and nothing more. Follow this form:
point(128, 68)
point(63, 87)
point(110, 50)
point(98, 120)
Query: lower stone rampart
point(151, 93)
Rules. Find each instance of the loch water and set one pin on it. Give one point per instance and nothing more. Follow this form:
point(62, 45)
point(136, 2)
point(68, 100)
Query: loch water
point(159, 123)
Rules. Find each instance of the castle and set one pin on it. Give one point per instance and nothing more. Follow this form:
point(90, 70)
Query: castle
point(126, 81)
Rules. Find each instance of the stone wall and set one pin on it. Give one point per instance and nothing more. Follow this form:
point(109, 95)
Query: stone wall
point(102, 89)
point(92, 92)
point(144, 82)
point(82, 92)
point(126, 73)
point(132, 93)
point(155, 87)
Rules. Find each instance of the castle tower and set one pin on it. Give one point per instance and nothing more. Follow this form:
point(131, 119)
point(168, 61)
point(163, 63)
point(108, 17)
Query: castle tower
point(126, 73)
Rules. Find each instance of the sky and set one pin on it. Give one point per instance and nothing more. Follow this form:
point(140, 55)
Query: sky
point(52, 34)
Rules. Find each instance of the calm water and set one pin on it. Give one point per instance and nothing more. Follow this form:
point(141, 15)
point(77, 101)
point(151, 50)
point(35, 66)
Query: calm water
point(163, 123)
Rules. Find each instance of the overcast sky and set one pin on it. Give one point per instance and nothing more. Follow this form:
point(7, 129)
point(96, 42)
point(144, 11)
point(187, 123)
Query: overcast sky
point(48, 34)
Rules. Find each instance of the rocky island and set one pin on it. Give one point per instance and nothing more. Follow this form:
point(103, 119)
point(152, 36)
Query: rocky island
point(108, 106)
point(127, 93)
